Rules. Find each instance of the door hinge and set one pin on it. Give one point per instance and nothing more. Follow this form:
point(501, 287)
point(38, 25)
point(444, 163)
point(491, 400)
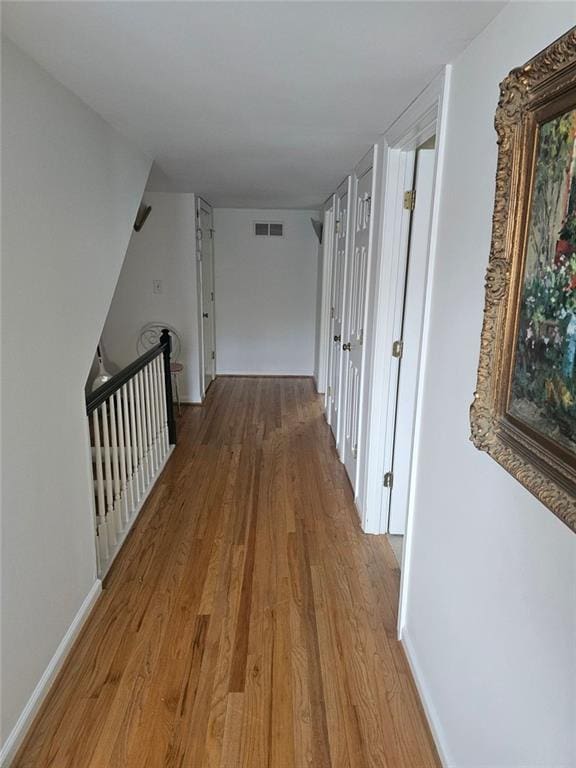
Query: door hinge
point(388, 480)
point(211, 234)
point(337, 225)
point(331, 313)
point(213, 355)
point(355, 451)
point(410, 199)
point(397, 349)
point(211, 295)
point(368, 204)
point(329, 391)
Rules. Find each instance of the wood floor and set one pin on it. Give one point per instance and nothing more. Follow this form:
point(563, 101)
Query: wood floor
point(247, 623)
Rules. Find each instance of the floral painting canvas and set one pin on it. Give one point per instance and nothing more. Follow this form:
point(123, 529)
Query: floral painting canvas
point(543, 386)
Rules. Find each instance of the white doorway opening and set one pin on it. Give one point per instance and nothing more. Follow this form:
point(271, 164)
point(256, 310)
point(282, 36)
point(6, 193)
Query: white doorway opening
point(409, 223)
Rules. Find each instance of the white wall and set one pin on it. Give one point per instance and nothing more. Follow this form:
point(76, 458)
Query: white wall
point(491, 612)
point(164, 249)
point(70, 191)
point(265, 293)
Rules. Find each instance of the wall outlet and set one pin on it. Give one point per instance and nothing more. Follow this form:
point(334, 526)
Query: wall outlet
point(156, 286)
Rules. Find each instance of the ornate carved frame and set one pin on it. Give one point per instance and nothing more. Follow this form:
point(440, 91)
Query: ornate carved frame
point(530, 95)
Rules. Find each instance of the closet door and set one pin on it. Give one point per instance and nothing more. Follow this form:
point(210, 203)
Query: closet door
point(337, 311)
point(355, 303)
point(205, 234)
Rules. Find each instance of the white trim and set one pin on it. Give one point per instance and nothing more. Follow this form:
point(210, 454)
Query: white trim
point(427, 705)
point(418, 121)
point(425, 345)
point(18, 733)
point(263, 375)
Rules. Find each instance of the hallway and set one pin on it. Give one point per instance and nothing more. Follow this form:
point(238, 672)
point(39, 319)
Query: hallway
point(247, 622)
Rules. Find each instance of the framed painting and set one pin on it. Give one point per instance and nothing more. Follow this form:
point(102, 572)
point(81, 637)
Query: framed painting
point(524, 409)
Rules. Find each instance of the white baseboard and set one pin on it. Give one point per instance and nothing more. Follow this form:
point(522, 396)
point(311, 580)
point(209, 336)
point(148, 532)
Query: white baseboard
point(16, 737)
point(263, 375)
point(429, 709)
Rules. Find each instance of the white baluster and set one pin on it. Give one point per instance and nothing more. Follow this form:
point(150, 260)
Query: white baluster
point(157, 389)
point(136, 480)
point(130, 500)
point(148, 398)
point(165, 439)
point(155, 454)
point(141, 468)
point(145, 454)
point(122, 460)
point(104, 551)
point(115, 466)
point(108, 479)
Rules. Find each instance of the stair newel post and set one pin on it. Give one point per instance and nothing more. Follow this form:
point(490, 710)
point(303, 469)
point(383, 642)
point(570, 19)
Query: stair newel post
point(167, 342)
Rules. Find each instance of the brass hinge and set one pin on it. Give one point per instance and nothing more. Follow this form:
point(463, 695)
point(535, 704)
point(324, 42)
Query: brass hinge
point(397, 349)
point(213, 355)
point(410, 199)
point(388, 480)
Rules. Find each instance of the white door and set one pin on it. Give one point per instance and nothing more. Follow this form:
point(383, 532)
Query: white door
point(325, 319)
point(205, 233)
point(356, 287)
point(338, 290)
point(395, 496)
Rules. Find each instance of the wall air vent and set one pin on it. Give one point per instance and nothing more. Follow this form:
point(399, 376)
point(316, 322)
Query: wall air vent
point(268, 229)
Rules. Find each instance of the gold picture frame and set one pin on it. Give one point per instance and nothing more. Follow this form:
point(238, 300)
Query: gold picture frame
point(524, 367)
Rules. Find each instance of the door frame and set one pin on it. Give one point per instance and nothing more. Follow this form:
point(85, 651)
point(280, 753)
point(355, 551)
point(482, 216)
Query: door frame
point(328, 219)
point(424, 118)
point(399, 435)
point(200, 276)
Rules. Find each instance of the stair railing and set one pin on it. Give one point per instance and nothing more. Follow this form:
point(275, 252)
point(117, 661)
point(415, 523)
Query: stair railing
point(132, 433)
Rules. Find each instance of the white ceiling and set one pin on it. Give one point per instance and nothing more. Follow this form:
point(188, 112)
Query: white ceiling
point(253, 104)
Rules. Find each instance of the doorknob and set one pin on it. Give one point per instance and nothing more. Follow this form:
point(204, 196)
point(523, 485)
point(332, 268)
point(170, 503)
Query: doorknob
point(346, 347)
point(337, 338)
point(204, 314)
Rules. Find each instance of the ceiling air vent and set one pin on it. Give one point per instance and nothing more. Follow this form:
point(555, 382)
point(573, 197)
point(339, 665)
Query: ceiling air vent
point(268, 229)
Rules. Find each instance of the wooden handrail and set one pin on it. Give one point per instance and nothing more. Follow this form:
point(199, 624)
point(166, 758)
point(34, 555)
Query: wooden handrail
point(104, 392)
point(113, 384)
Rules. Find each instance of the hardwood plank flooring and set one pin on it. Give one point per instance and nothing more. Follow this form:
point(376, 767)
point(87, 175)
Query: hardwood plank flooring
point(247, 622)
